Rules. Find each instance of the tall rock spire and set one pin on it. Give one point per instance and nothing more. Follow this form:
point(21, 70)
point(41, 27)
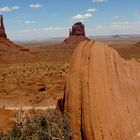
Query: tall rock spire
point(2, 29)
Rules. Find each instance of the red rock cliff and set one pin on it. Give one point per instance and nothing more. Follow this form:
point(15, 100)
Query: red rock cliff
point(103, 94)
point(2, 29)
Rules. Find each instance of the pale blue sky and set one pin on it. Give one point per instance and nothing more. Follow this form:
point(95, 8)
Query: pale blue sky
point(41, 19)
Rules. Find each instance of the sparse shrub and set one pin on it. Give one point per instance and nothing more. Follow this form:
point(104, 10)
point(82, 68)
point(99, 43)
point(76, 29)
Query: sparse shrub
point(40, 126)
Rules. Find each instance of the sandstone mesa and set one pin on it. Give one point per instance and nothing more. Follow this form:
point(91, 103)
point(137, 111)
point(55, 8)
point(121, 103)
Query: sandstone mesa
point(76, 34)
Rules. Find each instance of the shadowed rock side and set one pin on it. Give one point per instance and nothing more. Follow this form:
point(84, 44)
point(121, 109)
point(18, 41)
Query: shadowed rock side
point(2, 29)
point(137, 44)
point(103, 94)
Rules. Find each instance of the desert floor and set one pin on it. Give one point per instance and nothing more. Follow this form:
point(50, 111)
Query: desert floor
point(39, 82)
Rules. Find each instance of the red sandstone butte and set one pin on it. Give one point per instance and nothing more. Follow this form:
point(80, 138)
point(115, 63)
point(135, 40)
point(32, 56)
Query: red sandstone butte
point(2, 29)
point(76, 34)
point(5, 43)
point(103, 94)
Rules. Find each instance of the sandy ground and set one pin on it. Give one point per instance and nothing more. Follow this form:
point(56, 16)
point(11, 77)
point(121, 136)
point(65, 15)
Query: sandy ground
point(39, 81)
point(26, 108)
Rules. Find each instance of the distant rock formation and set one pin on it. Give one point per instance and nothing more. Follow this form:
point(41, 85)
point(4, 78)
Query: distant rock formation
point(2, 28)
point(5, 43)
point(76, 34)
point(78, 29)
point(8, 49)
point(103, 94)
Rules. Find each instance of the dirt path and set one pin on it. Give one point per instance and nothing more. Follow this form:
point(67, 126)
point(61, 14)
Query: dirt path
point(30, 107)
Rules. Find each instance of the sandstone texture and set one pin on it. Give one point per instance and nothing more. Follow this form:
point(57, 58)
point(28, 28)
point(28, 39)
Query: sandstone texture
point(76, 34)
point(103, 94)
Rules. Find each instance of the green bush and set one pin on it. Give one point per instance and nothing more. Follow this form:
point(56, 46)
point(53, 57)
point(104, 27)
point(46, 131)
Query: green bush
point(51, 125)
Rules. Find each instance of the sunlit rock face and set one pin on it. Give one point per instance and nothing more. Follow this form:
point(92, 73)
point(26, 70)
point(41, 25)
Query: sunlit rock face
point(102, 94)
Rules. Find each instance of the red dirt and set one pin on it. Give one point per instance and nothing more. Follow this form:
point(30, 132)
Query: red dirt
point(6, 119)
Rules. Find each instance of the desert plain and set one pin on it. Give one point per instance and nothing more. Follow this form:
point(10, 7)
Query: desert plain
point(38, 80)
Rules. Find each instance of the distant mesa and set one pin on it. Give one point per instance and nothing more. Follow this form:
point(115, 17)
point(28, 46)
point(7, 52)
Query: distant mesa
point(116, 36)
point(76, 34)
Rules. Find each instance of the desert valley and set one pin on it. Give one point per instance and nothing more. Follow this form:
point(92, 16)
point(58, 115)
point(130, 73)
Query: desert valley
point(96, 79)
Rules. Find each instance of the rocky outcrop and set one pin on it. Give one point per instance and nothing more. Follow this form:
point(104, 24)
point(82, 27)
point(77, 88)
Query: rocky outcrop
point(78, 29)
point(2, 29)
point(9, 50)
point(76, 34)
point(103, 94)
point(5, 43)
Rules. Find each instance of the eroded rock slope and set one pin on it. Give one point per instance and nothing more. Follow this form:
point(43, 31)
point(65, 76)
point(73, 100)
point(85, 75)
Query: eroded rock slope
point(103, 94)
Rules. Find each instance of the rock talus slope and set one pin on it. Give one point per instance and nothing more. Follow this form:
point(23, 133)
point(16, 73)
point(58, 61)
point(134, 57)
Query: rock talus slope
point(103, 94)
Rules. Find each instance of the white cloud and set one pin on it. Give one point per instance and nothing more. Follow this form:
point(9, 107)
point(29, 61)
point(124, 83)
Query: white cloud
point(116, 17)
point(35, 6)
point(92, 10)
point(29, 22)
point(55, 29)
point(82, 16)
point(86, 15)
point(8, 9)
point(30, 30)
point(48, 29)
point(39, 33)
point(99, 27)
point(98, 1)
point(136, 14)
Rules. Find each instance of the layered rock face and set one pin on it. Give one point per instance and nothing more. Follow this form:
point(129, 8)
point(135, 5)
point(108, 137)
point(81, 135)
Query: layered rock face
point(103, 94)
point(76, 34)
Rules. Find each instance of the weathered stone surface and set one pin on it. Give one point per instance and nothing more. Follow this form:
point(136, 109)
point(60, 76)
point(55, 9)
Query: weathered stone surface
point(76, 34)
point(103, 94)
point(78, 29)
point(2, 29)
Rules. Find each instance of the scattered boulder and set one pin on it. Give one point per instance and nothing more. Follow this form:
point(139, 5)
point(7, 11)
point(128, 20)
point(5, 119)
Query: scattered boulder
point(102, 94)
point(42, 89)
point(60, 105)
